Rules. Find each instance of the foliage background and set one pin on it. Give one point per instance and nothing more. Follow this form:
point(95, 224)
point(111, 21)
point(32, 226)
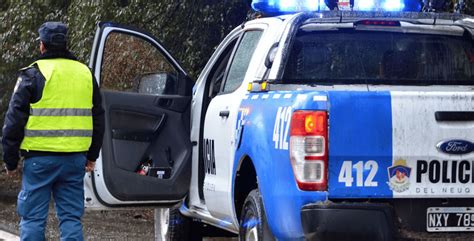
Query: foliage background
point(189, 29)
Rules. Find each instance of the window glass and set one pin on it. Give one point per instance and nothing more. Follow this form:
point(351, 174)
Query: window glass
point(217, 73)
point(352, 57)
point(132, 64)
point(241, 60)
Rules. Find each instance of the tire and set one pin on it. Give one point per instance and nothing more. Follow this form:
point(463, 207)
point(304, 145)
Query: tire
point(253, 222)
point(176, 227)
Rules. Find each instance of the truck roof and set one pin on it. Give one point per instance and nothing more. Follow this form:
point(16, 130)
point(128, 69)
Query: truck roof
point(423, 18)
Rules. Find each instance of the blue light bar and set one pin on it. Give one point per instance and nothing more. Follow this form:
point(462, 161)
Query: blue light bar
point(365, 5)
point(287, 6)
point(393, 5)
point(273, 7)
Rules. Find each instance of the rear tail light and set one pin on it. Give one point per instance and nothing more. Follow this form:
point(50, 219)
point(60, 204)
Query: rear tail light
point(308, 149)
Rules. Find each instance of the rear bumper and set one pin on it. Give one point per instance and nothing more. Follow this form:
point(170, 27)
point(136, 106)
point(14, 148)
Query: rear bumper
point(340, 222)
point(387, 220)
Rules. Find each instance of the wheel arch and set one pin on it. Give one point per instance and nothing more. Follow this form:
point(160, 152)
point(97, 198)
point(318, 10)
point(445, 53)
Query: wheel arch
point(245, 181)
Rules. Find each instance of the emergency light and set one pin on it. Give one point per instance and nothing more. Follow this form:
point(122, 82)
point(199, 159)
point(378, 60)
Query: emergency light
point(287, 6)
point(273, 7)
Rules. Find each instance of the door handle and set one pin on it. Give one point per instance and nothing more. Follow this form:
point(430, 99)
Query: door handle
point(224, 113)
point(454, 116)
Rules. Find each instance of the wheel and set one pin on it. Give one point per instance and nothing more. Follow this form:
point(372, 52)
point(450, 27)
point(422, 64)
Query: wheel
point(171, 225)
point(253, 222)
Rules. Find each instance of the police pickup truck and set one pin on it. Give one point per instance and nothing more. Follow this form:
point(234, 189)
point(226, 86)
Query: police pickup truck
point(322, 125)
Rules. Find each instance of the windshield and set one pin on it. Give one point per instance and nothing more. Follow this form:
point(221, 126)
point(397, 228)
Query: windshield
point(358, 57)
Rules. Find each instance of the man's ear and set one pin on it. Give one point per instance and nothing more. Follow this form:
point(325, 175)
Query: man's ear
point(42, 47)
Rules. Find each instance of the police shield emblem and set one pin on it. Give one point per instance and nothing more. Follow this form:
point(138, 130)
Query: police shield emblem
point(399, 176)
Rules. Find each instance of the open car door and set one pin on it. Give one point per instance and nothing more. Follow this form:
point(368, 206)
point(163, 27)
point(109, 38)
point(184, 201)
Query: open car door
point(146, 154)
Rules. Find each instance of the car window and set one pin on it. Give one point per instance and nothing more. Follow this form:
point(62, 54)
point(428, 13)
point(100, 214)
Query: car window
point(241, 60)
point(132, 64)
point(217, 72)
point(351, 57)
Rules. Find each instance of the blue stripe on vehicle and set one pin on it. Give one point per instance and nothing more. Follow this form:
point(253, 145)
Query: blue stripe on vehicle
point(360, 129)
point(360, 126)
point(281, 197)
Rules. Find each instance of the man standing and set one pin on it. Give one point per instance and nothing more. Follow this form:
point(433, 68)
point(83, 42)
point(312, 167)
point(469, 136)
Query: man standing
point(56, 121)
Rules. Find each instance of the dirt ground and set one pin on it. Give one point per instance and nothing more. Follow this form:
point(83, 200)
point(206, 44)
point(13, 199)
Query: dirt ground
point(98, 225)
point(120, 225)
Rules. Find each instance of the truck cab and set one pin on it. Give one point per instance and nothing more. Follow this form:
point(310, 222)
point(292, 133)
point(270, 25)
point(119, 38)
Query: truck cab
point(315, 125)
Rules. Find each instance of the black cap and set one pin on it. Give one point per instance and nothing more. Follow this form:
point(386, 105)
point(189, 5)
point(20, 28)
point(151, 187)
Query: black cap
point(53, 33)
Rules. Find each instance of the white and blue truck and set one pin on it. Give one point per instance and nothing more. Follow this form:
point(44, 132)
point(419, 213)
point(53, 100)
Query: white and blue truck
point(316, 125)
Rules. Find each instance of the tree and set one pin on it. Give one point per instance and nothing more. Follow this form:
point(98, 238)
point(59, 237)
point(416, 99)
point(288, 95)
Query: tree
point(189, 29)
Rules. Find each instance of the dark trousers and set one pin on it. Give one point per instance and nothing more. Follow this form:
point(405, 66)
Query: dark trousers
point(59, 176)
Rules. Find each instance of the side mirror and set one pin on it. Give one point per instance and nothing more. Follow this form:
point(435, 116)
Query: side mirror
point(157, 83)
point(271, 55)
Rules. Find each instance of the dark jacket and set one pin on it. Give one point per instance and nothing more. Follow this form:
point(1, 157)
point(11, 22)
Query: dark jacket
point(29, 89)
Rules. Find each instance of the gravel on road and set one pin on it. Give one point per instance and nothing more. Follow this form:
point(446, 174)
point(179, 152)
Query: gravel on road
point(116, 225)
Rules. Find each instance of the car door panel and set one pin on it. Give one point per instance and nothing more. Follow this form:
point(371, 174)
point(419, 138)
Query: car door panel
point(144, 128)
point(220, 127)
point(145, 125)
point(141, 130)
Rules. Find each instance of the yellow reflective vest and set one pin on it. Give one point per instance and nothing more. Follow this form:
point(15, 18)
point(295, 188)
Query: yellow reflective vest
point(61, 121)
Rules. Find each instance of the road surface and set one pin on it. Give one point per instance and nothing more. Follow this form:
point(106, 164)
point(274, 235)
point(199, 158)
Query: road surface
point(8, 236)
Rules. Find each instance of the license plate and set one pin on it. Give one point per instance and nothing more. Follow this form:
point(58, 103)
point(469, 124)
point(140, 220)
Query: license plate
point(450, 219)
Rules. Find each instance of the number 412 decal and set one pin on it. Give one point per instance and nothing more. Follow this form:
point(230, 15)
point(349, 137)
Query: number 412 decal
point(345, 175)
point(282, 127)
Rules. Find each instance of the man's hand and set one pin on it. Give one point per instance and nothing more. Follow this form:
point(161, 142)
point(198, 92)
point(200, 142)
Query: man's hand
point(13, 173)
point(90, 165)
